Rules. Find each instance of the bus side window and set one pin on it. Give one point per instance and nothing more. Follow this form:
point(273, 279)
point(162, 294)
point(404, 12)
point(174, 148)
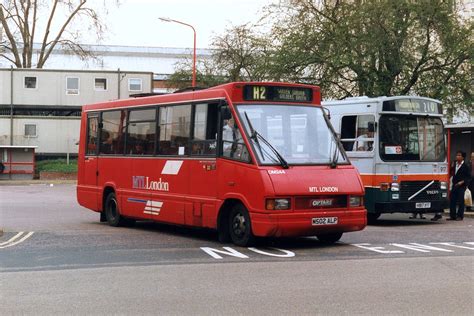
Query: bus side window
point(112, 136)
point(175, 130)
point(348, 131)
point(141, 132)
point(92, 133)
point(205, 130)
point(356, 134)
point(233, 145)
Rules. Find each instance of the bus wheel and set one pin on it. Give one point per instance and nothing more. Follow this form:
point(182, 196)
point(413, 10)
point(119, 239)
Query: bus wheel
point(329, 238)
point(112, 212)
point(240, 228)
point(372, 217)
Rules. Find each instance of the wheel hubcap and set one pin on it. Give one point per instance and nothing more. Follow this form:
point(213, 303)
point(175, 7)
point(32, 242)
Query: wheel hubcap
point(238, 225)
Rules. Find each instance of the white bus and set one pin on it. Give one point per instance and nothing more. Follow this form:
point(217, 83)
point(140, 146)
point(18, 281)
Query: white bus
point(398, 145)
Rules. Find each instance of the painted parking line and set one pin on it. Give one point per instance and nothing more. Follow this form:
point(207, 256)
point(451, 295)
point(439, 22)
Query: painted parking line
point(17, 239)
point(395, 248)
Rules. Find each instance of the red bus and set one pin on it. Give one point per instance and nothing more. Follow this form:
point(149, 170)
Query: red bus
point(246, 159)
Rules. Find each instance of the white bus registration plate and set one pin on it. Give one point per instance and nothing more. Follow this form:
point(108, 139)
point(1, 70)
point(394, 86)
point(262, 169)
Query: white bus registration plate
point(324, 221)
point(423, 205)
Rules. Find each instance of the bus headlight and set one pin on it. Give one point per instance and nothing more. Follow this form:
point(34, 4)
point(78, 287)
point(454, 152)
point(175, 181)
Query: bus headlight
point(395, 187)
point(443, 185)
point(355, 201)
point(395, 196)
point(278, 204)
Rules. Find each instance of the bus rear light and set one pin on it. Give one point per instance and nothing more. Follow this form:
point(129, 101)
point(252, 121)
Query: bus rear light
point(356, 201)
point(278, 204)
point(384, 186)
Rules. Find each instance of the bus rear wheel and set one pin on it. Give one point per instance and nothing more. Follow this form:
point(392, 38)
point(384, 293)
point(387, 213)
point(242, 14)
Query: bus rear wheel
point(112, 212)
point(329, 238)
point(240, 228)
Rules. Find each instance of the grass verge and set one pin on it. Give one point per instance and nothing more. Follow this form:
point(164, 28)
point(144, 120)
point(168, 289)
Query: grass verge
point(58, 165)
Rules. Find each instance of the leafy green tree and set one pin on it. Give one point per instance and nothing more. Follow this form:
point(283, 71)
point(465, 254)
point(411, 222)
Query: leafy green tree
point(239, 54)
point(376, 47)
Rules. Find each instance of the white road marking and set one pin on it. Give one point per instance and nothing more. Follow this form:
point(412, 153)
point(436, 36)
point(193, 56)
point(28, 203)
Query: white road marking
point(12, 242)
point(451, 244)
point(11, 239)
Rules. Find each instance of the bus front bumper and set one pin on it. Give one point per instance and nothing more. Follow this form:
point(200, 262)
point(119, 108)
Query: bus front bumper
point(291, 224)
point(410, 207)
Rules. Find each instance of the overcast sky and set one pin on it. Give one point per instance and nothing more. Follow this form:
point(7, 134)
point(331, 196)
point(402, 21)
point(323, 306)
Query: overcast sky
point(135, 22)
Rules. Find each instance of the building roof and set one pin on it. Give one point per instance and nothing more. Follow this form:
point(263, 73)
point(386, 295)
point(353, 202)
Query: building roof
point(160, 60)
point(467, 125)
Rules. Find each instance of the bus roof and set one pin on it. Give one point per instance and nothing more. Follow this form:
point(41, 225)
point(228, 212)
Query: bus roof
point(233, 90)
point(365, 99)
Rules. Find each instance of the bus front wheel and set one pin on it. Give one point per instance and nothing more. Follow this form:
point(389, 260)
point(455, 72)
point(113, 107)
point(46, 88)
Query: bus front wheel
point(112, 212)
point(329, 238)
point(240, 228)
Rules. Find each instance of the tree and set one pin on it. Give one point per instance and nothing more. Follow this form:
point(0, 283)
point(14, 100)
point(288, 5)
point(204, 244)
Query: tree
point(206, 75)
point(376, 47)
point(22, 21)
point(239, 54)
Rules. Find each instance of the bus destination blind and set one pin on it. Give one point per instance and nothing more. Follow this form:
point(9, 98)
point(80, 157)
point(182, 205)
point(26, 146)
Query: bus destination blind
point(415, 106)
point(277, 94)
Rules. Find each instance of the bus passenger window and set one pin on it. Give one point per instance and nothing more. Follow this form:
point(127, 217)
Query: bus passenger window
point(205, 130)
point(141, 132)
point(356, 134)
point(112, 136)
point(92, 133)
point(175, 130)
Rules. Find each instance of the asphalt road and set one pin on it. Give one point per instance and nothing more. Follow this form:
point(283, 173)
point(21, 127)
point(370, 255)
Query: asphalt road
point(56, 258)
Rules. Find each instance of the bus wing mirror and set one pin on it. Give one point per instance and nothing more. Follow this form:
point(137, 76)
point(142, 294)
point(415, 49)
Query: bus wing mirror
point(327, 111)
point(372, 126)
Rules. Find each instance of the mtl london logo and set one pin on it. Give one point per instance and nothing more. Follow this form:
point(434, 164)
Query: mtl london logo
point(142, 182)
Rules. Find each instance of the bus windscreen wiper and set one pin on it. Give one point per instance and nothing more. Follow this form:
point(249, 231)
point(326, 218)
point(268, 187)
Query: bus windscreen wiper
point(335, 156)
point(255, 135)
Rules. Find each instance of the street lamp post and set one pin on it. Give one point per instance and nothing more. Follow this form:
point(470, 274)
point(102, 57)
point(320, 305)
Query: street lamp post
point(194, 54)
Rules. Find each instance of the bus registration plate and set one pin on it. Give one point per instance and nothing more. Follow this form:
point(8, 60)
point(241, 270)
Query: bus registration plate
point(423, 205)
point(324, 221)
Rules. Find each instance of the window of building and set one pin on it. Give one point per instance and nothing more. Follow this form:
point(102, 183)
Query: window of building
point(357, 132)
point(72, 85)
point(100, 84)
point(92, 133)
point(31, 82)
point(141, 132)
point(30, 130)
point(112, 133)
point(205, 130)
point(175, 126)
point(134, 84)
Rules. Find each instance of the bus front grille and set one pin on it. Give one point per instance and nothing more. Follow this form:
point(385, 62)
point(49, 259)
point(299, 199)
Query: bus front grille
point(410, 190)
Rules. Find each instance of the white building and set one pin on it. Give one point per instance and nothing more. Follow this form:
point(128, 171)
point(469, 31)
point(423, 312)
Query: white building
point(42, 107)
point(46, 103)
